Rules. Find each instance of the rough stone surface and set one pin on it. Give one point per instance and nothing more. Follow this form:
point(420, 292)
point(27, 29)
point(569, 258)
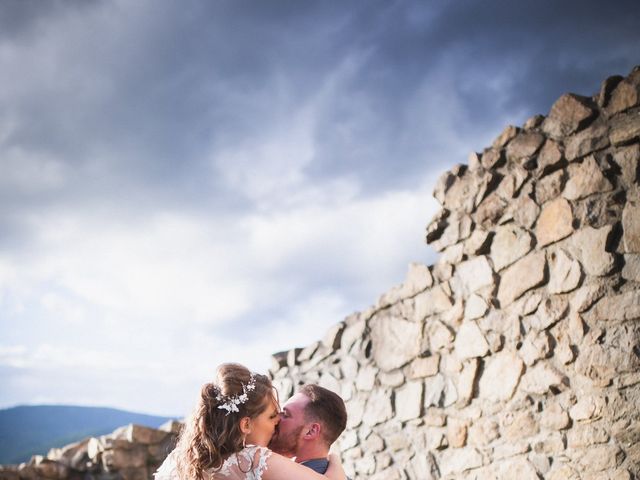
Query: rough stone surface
point(569, 114)
point(585, 179)
point(631, 227)
point(501, 376)
point(527, 273)
point(509, 245)
point(555, 222)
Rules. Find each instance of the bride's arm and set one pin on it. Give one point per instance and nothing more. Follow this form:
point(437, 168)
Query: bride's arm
point(281, 468)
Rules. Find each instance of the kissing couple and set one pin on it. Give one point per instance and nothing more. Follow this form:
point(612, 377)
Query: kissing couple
point(238, 431)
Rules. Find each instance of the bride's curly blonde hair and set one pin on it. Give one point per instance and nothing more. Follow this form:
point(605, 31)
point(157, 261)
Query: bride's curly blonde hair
point(211, 434)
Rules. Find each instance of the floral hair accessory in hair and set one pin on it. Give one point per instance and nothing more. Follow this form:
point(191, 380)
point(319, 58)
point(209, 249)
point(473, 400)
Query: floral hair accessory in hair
point(231, 403)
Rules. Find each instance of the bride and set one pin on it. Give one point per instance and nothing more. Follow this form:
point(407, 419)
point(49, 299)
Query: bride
point(227, 434)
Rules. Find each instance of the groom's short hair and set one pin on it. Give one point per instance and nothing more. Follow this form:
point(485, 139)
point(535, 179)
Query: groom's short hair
point(327, 408)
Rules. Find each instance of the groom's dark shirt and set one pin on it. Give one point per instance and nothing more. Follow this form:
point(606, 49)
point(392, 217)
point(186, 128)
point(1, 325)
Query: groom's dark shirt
point(319, 465)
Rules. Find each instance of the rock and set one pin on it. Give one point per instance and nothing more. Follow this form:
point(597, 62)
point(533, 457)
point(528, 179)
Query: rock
point(483, 431)
point(366, 378)
point(114, 460)
point(424, 367)
point(470, 342)
point(585, 179)
point(501, 376)
point(550, 157)
point(587, 408)
point(478, 243)
point(449, 230)
point(419, 278)
point(590, 140)
point(624, 96)
point(517, 468)
point(541, 378)
point(525, 274)
point(333, 337)
point(551, 310)
point(550, 186)
point(585, 297)
point(524, 146)
point(525, 211)
point(625, 306)
point(518, 425)
point(458, 460)
point(490, 210)
point(456, 433)
point(409, 401)
point(631, 227)
point(434, 391)
point(510, 244)
point(625, 128)
point(565, 273)
point(628, 159)
point(505, 137)
point(555, 222)
point(378, 408)
point(631, 268)
point(600, 457)
point(606, 88)
point(569, 114)
point(586, 435)
point(394, 379)
point(395, 341)
point(492, 158)
point(475, 307)
point(536, 346)
point(353, 331)
point(553, 417)
point(466, 382)
point(440, 336)
point(590, 246)
point(435, 300)
point(474, 274)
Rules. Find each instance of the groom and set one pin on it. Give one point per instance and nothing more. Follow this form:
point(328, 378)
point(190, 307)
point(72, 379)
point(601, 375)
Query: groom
point(310, 422)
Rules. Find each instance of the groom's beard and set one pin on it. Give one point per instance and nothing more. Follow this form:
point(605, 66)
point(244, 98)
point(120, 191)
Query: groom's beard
point(286, 444)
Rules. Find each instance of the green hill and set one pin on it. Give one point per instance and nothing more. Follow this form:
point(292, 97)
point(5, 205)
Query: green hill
point(31, 430)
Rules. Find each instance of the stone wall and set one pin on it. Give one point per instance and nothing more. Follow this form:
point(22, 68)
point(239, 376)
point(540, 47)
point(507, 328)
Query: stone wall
point(517, 354)
point(132, 452)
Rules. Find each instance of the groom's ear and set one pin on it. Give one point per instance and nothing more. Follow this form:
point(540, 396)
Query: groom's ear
point(313, 431)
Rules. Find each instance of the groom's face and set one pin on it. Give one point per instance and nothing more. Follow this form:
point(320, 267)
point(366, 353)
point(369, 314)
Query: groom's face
point(286, 439)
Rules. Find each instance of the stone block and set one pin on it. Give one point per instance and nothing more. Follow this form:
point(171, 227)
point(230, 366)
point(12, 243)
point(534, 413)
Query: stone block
point(523, 146)
point(541, 378)
point(424, 367)
point(585, 179)
point(625, 128)
point(408, 401)
point(501, 376)
point(631, 227)
point(565, 272)
point(555, 222)
point(624, 96)
point(631, 268)
point(378, 408)
point(395, 341)
point(525, 274)
point(590, 140)
point(470, 341)
point(458, 460)
point(589, 244)
point(510, 243)
point(568, 114)
point(474, 274)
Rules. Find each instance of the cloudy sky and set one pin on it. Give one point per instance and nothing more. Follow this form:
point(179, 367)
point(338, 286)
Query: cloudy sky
point(187, 183)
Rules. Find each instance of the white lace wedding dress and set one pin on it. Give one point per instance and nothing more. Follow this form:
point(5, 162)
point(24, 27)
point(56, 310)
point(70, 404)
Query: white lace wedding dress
point(248, 464)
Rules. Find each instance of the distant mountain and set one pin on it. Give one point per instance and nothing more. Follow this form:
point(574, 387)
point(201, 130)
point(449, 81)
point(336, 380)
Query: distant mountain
point(31, 430)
